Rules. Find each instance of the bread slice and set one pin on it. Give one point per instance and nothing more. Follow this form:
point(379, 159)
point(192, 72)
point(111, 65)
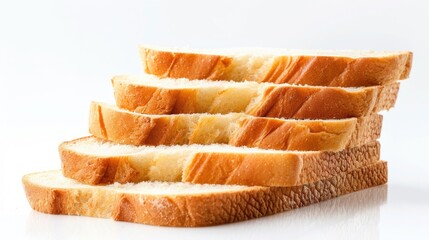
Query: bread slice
point(184, 204)
point(147, 94)
point(237, 129)
point(93, 161)
point(319, 68)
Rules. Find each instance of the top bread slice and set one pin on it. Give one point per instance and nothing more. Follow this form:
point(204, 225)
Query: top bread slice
point(151, 95)
point(184, 204)
point(319, 68)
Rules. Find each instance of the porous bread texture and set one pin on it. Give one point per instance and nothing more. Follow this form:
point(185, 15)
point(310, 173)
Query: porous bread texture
point(181, 204)
point(319, 68)
point(111, 123)
point(94, 161)
point(150, 95)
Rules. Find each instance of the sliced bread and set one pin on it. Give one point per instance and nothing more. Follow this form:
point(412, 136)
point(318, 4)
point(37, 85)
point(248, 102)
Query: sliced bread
point(93, 161)
point(148, 94)
point(184, 204)
point(320, 68)
point(121, 126)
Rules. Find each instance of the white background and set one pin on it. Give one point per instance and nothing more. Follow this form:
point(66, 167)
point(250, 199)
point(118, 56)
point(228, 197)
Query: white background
point(56, 56)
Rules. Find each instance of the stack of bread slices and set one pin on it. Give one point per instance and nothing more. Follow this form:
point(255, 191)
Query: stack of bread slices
point(213, 137)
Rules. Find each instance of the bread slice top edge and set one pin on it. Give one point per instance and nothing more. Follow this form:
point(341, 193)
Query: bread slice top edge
point(347, 53)
point(151, 80)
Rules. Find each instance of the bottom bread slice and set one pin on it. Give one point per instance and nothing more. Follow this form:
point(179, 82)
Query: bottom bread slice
point(185, 204)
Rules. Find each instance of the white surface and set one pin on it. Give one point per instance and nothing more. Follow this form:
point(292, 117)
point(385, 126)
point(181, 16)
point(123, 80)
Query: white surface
point(57, 56)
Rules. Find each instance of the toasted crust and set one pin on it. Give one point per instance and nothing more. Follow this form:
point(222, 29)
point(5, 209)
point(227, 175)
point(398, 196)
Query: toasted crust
point(194, 209)
point(340, 71)
point(125, 127)
point(278, 101)
point(260, 168)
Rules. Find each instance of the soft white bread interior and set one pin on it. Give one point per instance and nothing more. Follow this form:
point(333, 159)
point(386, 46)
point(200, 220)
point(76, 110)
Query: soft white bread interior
point(183, 204)
point(95, 161)
point(151, 95)
point(320, 68)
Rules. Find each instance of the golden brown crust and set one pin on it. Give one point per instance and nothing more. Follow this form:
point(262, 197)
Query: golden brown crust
point(44, 199)
point(268, 133)
point(314, 103)
point(278, 101)
point(367, 130)
point(309, 70)
point(244, 169)
point(131, 128)
point(253, 169)
point(197, 209)
point(172, 64)
point(327, 164)
point(63, 201)
point(102, 170)
point(113, 124)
